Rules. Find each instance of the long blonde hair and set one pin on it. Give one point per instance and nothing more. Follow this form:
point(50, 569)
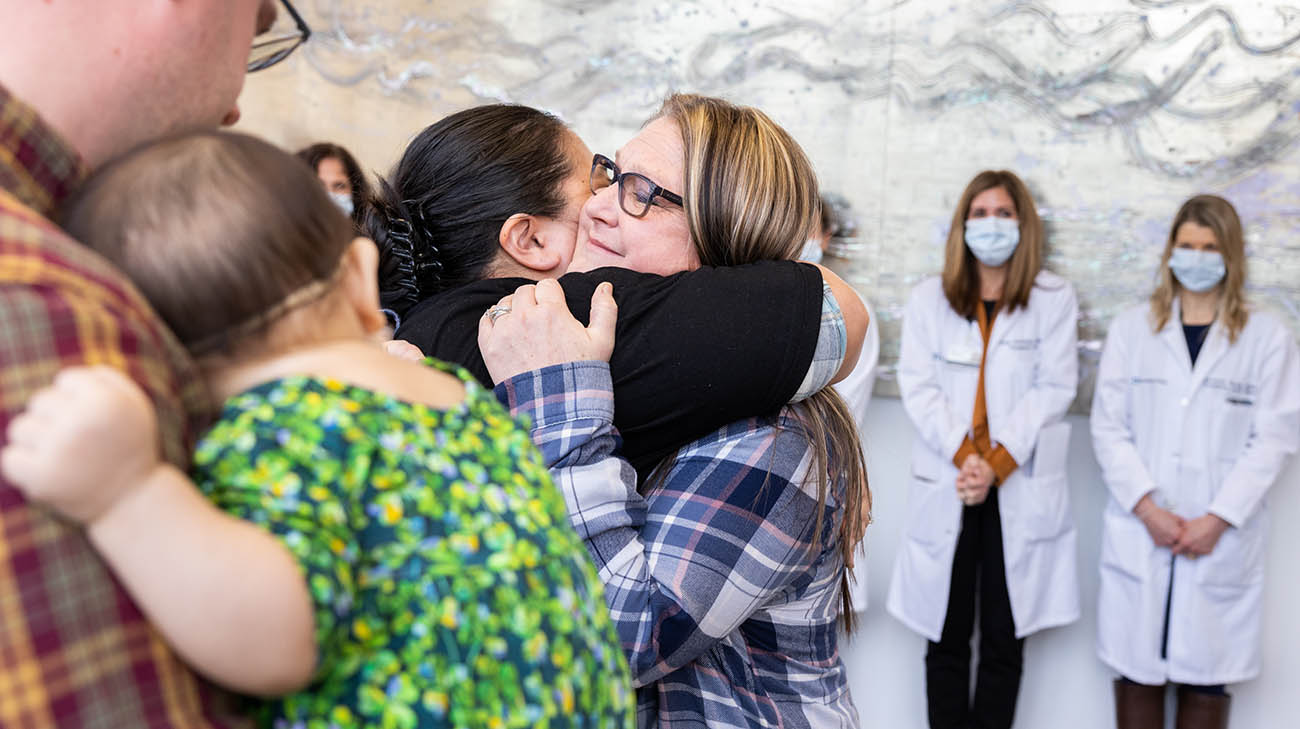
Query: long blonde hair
point(961, 283)
point(1218, 215)
point(751, 195)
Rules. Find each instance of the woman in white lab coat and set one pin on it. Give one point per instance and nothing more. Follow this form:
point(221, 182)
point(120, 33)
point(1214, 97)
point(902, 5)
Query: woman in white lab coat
point(1196, 410)
point(987, 370)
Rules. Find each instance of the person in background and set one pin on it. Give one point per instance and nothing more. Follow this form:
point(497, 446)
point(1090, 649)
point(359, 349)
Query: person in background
point(437, 566)
point(1196, 411)
point(342, 177)
point(836, 222)
point(855, 389)
point(988, 368)
point(81, 83)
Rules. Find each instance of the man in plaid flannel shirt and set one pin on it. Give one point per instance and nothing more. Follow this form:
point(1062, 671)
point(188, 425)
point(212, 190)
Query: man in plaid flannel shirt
point(79, 84)
point(725, 609)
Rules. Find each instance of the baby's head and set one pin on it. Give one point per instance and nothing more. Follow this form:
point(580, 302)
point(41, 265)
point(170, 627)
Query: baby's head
point(233, 242)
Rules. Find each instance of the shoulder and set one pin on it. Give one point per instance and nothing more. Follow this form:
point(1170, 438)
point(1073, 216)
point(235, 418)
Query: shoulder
point(51, 258)
point(773, 444)
point(1051, 286)
point(758, 466)
point(1138, 315)
point(1269, 329)
point(455, 305)
point(929, 290)
point(707, 280)
point(77, 309)
point(1266, 323)
point(928, 302)
point(751, 441)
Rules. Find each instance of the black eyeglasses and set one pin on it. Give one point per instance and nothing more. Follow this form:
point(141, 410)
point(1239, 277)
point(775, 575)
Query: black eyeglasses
point(275, 48)
point(636, 192)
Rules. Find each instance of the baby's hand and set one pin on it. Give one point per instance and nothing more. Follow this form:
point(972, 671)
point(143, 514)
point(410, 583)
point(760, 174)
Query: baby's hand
point(82, 443)
point(402, 349)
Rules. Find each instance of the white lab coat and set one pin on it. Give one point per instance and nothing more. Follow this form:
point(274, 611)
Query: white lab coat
point(1030, 379)
point(1210, 438)
point(856, 392)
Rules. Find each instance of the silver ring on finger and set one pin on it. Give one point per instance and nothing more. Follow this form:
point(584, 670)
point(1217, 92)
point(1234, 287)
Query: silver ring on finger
point(497, 312)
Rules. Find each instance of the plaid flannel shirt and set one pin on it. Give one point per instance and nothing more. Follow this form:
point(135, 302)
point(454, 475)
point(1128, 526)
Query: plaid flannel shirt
point(74, 650)
point(725, 610)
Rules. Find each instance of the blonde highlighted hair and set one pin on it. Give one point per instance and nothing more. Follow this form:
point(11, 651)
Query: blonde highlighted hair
point(961, 282)
point(751, 195)
point(1217, 214)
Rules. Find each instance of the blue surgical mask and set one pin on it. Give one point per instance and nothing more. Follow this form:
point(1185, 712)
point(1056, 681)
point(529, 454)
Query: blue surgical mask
point(812, 251)
point(343, 200)
point(992, 240)
point(1197, 271)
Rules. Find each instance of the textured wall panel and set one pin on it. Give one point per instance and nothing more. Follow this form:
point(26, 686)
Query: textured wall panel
point(1114, 111)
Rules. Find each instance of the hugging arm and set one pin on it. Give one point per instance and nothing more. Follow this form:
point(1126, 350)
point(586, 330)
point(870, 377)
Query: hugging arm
point(704, 348)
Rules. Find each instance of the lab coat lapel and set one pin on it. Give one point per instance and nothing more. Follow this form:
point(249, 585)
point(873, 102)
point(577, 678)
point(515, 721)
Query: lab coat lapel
point(1004, 322)
point(1213, 350)
point(1172, 336)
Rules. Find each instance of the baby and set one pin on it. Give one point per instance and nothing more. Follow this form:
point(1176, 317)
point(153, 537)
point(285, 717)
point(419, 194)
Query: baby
point(416, 532)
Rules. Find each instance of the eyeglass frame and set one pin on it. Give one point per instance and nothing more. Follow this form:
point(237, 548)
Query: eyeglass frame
point(304, 32)
point(656, 190)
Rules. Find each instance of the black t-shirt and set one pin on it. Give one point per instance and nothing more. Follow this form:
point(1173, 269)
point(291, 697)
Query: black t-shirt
point(692, 352)
point(1195, 335)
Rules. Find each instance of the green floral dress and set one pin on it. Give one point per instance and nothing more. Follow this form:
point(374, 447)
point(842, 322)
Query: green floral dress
point(449, 588)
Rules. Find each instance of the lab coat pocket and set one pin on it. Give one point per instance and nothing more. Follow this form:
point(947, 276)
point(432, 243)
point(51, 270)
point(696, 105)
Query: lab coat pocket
point(1237, 560)
point(1045, 506)
point(1126, 546)
point(1045, 503)
point(933, 509)
point(1051, 450)
point(1231, 426)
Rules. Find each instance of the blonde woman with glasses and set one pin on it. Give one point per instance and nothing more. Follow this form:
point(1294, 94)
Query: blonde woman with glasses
point(725, 570)
point(1196, 411)
point(987, 370)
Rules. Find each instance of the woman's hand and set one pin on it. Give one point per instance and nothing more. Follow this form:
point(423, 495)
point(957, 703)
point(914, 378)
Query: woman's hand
point(1200, 535)
point(83, 443)
point(533, 328)
point(1164, 526)
point(974, 480)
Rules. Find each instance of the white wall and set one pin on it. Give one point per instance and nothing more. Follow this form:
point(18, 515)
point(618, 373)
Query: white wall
point(1064, 686)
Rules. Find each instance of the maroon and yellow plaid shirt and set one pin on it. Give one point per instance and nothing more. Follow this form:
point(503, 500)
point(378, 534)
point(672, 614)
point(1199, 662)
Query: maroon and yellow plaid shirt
point(75, 651)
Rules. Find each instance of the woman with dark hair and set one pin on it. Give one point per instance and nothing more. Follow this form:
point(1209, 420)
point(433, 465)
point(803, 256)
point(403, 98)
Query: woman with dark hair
point(987, 370)
point(342, 177)
point(725, 571)
point(483, 193)
point(489, 199)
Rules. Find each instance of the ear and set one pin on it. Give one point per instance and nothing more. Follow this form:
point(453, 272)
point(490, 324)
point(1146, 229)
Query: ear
point(528, 243)
point(360, 283)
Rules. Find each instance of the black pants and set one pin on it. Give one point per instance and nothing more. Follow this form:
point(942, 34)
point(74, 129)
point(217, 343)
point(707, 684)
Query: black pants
point(977, 569)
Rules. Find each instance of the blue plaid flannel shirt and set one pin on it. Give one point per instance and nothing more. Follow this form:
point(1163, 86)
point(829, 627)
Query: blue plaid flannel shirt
point(726, 612)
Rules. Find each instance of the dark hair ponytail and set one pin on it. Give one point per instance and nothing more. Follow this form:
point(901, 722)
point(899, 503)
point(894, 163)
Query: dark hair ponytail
point(437, 218)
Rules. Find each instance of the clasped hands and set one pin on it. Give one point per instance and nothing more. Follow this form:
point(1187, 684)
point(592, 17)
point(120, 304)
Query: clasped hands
point(1190, 537)
point(974, 480)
